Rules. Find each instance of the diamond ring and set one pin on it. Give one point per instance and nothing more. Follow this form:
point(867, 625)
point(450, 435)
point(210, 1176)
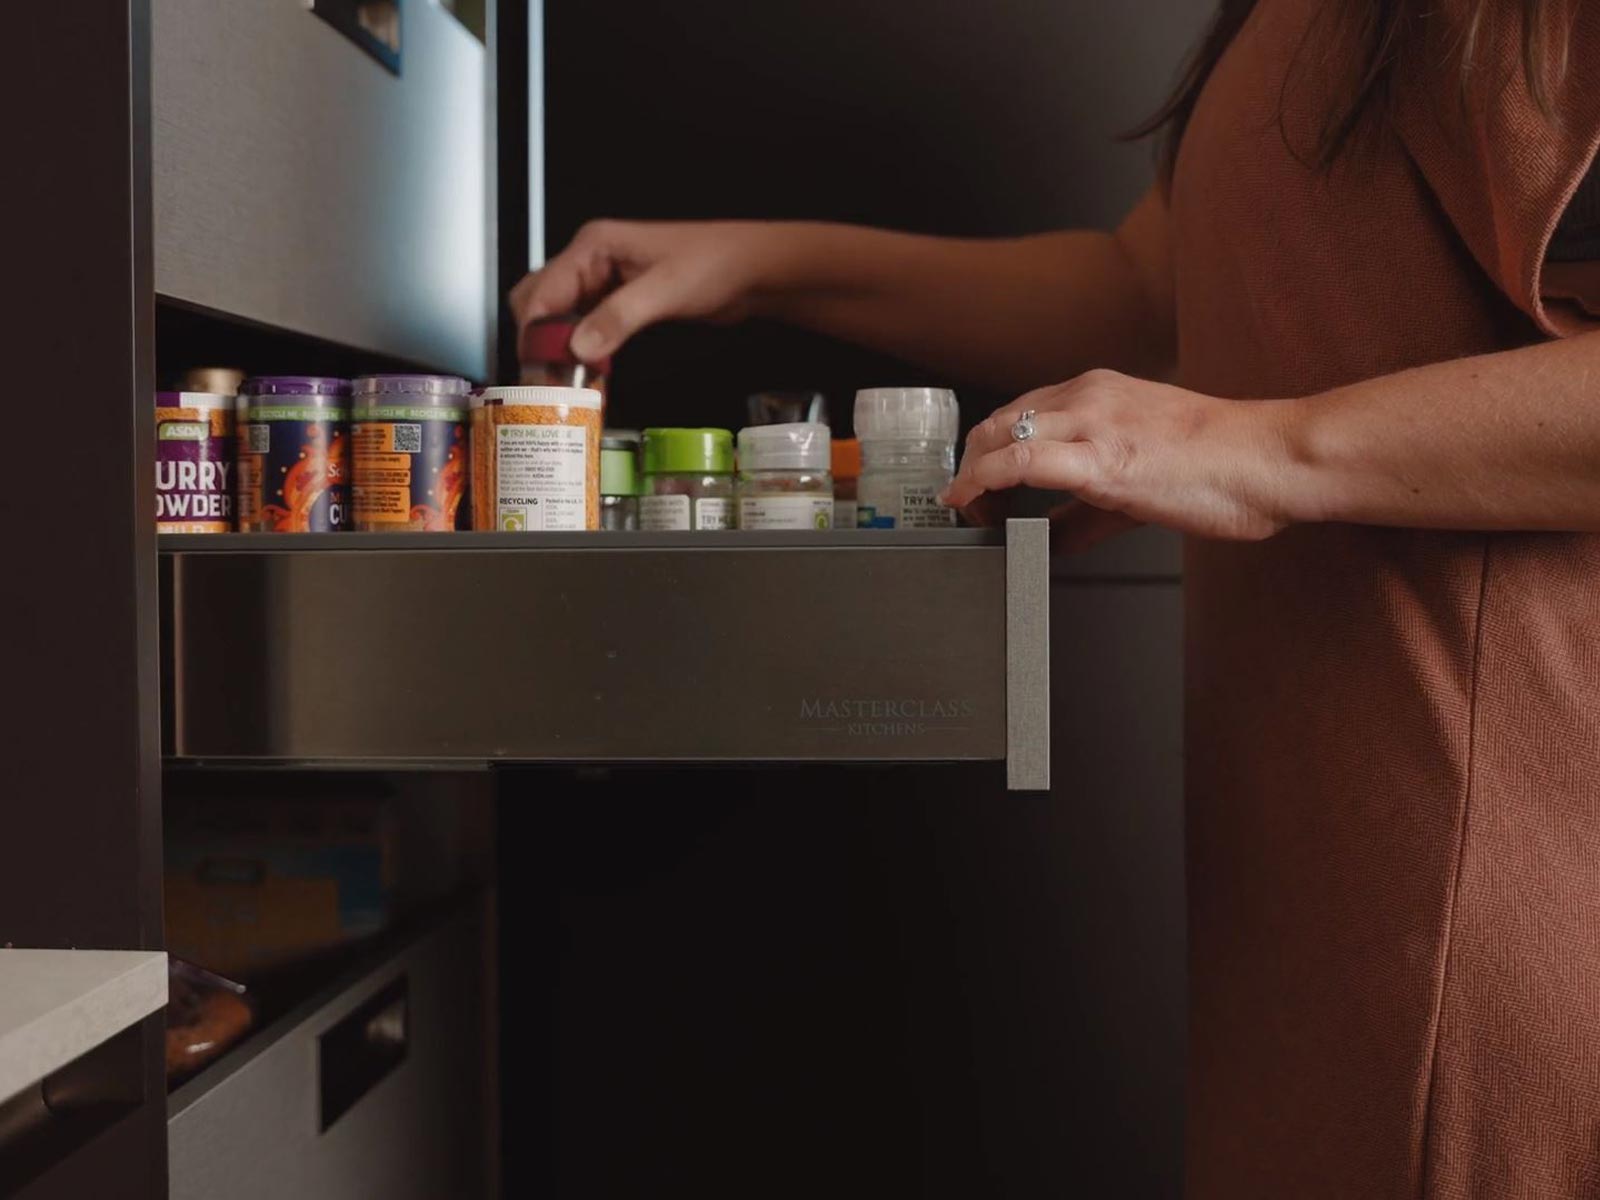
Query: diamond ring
point(1024, 429)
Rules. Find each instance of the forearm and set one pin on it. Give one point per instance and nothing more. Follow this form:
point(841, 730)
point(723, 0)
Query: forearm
point(1007, 314)
point(1502, 441)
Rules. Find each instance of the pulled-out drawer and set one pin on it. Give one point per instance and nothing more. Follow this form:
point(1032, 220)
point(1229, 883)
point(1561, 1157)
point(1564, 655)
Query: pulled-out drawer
point(383, 649)
point(378, 1086)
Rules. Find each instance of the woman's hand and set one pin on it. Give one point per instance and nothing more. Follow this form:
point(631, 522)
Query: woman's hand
point(1134, 452)
point(635, 273)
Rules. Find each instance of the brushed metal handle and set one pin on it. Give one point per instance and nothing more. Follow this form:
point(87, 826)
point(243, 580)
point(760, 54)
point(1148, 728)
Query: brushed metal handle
point(354, 1055)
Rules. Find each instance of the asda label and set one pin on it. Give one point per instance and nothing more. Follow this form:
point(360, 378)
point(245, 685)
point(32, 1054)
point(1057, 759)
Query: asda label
point(785, 512)
point(920, 508)
point(663, 513)
point(713, 512)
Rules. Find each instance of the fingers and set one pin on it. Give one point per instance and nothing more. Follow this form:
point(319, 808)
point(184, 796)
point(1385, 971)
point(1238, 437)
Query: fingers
point(644, 301)
point(1041, 463)
point(994, 432)
point(570, 280)
point(989, 509)
point(1076, 526)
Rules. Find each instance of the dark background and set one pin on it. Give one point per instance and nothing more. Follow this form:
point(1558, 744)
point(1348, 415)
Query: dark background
point(855, 982)
point(939, 116)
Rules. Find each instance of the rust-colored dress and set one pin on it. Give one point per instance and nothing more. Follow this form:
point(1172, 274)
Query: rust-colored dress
point(1393, 736)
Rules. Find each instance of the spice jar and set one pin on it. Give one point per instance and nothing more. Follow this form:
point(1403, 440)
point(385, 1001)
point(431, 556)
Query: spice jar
point(194, 462)
point(293, 470)
point(619, 480)
point(548, 361)
point(783, 477)
point(536, 458)
point(908, 456)
point(688, 479)
point(408, 437)
point(846, 471)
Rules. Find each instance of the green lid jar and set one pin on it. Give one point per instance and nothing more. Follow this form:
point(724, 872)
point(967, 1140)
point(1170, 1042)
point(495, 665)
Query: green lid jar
point(619, 480)
point(688, 479)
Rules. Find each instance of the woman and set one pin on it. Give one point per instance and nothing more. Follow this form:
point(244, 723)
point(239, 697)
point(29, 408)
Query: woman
point(1371, 271)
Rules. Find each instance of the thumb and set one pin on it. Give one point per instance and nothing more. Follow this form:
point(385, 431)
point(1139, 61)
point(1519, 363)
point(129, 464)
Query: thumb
point(623, 313)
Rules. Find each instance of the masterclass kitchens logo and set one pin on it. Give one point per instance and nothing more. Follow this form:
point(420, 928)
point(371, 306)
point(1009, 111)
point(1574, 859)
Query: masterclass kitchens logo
point(881, 717)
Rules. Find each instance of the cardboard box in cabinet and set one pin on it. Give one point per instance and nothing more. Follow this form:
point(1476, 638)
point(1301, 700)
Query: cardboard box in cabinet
point(253, 888)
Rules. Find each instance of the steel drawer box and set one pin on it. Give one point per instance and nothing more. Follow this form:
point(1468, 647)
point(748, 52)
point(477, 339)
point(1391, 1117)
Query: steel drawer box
point(740, 647)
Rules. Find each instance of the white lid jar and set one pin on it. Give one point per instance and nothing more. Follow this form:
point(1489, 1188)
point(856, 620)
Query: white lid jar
point(784, 480)
point(908, 456)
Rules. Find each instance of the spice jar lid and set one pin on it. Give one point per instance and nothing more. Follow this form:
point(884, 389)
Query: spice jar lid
point(846, 458)
point(688, 451)
point(913, 413)
point(798, 446)
point(570, 397)
point(619, 471)
point(218, 381)
point(294, 385)
point(410, 385)
point(551, 342)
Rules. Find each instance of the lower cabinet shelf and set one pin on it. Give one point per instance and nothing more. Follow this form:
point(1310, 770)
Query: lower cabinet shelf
point(383, 1078)
point(352, 649)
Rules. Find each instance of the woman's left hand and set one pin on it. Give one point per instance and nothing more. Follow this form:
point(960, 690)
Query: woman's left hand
point(1134, 452)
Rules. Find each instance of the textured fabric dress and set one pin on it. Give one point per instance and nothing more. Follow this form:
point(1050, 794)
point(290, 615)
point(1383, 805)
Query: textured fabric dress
point(1393, 736)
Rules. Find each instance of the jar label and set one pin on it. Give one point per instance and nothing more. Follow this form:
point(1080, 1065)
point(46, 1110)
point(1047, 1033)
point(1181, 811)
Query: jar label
point(664, 512)
point(785, 512)
point(713, 512)
point(409, 473)
point(844, 514)
point(541, 473)
point(194, 468)
point(293, 471)
point(920, 508)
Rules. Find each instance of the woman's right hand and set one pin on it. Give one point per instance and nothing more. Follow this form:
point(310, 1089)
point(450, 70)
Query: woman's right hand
point(630, 274)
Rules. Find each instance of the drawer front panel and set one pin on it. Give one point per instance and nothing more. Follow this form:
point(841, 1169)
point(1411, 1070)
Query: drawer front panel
point(251, 1128)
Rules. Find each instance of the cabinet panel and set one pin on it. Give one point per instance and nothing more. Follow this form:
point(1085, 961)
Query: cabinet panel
point(300, 184)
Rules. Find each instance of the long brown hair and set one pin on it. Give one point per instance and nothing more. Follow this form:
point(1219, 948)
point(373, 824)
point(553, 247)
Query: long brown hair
point(1366, 45)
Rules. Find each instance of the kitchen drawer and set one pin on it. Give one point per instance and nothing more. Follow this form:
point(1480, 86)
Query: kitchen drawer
point(879, 646)
point(300, 184)
point(393, 1060)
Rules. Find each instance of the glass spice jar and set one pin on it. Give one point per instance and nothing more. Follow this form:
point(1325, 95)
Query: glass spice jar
point(688, 479)
point(784, 479)
point(908, 456)
point(548, 360)
point(619, 480)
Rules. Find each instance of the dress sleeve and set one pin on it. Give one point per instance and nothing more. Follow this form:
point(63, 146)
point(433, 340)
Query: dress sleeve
point(1503, 173)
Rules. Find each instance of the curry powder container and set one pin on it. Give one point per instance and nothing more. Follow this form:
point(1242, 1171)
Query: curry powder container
point(194, 462)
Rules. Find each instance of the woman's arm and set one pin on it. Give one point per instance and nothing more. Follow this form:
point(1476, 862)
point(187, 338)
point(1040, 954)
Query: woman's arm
point(1005, 313)
point(1501, 441)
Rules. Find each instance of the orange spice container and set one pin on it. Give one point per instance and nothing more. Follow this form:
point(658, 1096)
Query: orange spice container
point(536, 458)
